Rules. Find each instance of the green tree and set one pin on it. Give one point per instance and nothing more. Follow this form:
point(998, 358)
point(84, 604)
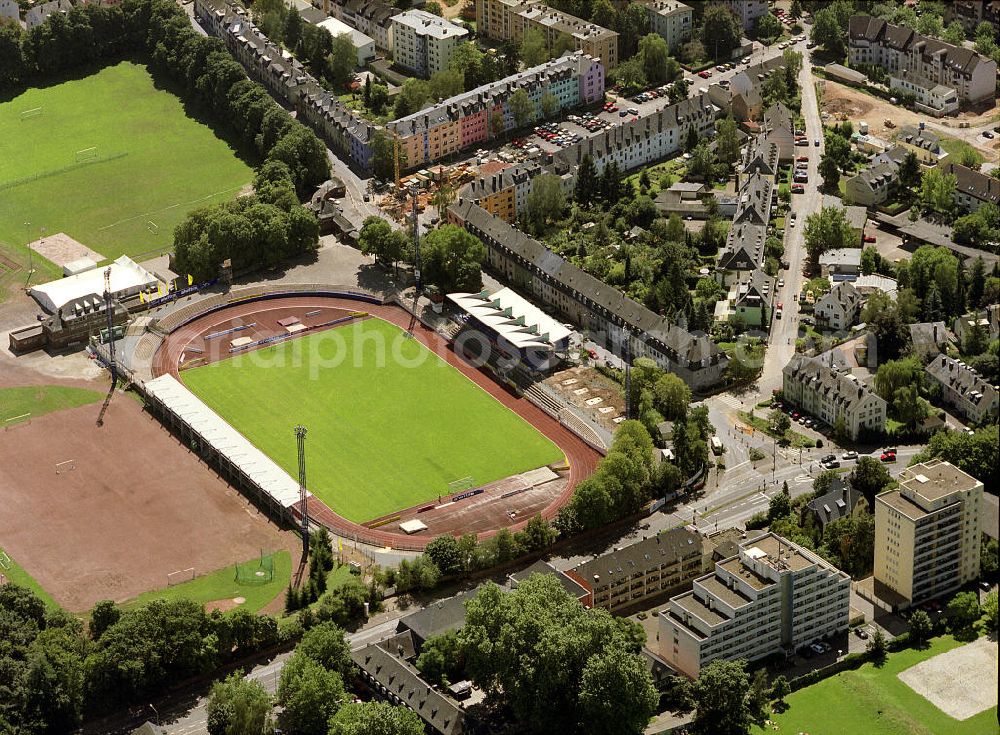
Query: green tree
point(412, 97)
point(721, 31)
point(375, 718)
point(341, 62)
point(909, 174)
point(446, 83)
point(795, 9)
point(655, 54)
point(309, 695)
point(467, 60)
point(293, 29)
point(768, 27)
point(830, 26)
point(522, 108)
point(537, 535)
point(826, 230)
point(921, 627)
point(587, 181)
point(549, 104)
point(671, 396)
point(539, 652)
point(378, 238)
point(963, 611)
point(452, 259)
point(446, 554)
point(441, 659)
point(937, 190)
point(721, 702)
point(533, 48)
point(830, 172)
point(850, 544)
point(989, 609)
point(869, 477)
point(877, 648)
point(780, 689)
point(633, 24)
point(383, 152)
point(895, 374)
point(103, 615)
point(545, 203)
point(326, 645)
point(702, 164)
point(779, 421)
point(727, 141)
point(931, 24)
point(238, 706)
point(779, 507)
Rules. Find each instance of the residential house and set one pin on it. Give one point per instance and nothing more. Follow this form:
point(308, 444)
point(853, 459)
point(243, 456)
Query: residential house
point(937, 100)
point(964, 388)
point(773, 597)
point(672, 20)
point(504, 194)
point(857, 217)
point(38, 14)
point(841, 263)
point(779, 127)
point(749, 299)
point(605, 313)
point(839, 309)
point(391, 677)
point(692, 200)
point(972, 189)
point(630, 576)
point(746, 239)
point(867, 285)
point(970, 13)
point(365, 45)
point(742, 98)
point(582, 593)
point(833, 396)
point(509, 20)
point(927, 534)
point(875, 184)
point(924, 144)
point(10, 10)
point(839, 502)
point(923, 60)
point(747, 11)
point(927, 339)
point(987, 319)
point(423, 42)
point(371, 17)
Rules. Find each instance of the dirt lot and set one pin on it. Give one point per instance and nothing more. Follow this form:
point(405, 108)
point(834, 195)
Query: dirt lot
point(961, 683)
point(846, 103)
point(595, 385)
point(137, 506)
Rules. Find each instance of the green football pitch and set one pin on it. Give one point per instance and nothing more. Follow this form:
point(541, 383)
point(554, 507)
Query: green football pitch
point(109, 159)
point(389, 427)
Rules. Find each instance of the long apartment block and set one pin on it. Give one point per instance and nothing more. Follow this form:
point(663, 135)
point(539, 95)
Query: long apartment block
point(467, 119)
point(927, 534)
point(509, 20)
point(772, 597)
point(924, 61)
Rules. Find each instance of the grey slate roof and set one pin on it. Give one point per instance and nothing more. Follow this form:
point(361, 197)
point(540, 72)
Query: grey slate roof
point(839, 502)
point(962, 379)
point(402, 683)
point(541, 567)
point(976, 185)
point(876, 30)
point(843, 390)
point(442, 616)
point(667, 548)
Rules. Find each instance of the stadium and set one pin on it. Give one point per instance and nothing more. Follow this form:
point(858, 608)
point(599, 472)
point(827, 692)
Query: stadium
point(406, 440)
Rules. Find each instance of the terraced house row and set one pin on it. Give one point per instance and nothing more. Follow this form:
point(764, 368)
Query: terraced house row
point(471, 118)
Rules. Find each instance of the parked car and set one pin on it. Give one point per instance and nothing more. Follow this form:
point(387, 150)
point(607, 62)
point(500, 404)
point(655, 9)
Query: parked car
point(802, 159)
point(849, 455)
point(887, 457)
point(816, 142)
point(869, 238)
point(988, 134)
point(828, 457)
point(781, 305)
point(781, 283)
point(798, 189)
point(861, 633)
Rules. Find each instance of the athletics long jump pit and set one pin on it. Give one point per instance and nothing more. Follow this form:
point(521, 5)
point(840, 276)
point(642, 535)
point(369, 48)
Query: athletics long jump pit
point(108, 513)
point(400, 428)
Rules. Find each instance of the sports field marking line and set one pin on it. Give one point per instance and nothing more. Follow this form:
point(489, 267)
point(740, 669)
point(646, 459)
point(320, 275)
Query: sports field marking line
point(16, 418)
point(164, 209)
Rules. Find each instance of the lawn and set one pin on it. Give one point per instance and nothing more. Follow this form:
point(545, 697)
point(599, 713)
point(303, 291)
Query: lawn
point(15, 574)
point(222, 585)
point(153, 164)
point(389, 426)
point(956, 147)
point(39, 400)
point(874, 701)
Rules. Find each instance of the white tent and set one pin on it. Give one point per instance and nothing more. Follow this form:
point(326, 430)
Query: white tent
point(127, 279)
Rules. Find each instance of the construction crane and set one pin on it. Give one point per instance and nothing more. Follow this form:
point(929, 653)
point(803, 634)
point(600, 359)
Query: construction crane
point(300, 438)
point(627, 354)
point(417, 281)
point(395, 159)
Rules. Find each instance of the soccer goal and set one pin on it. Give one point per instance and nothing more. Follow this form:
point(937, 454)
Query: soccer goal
point(152, 227)
point(461, 485)
point(86, 154)
point(33, 112)
point(68, 465)
point(181, 575)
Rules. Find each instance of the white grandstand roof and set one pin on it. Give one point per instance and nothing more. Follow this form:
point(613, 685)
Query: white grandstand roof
point(127, 278)
point(514, 318)
point(256, 465)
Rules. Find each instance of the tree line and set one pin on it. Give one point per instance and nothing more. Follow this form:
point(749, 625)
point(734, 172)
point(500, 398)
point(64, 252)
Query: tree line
point(55, 669)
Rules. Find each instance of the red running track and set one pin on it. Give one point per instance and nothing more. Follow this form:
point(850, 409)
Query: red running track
point(581, 457)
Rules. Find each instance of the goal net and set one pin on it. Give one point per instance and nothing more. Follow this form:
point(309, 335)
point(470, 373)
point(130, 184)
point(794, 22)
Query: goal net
point(181, 575)
point(33, 112)
point(86, 154)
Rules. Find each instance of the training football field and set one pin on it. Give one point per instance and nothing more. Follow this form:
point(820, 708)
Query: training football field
point(109, 159)
point(389, 427)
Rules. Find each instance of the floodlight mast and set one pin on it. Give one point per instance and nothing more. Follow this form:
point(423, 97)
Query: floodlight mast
point(300, 438)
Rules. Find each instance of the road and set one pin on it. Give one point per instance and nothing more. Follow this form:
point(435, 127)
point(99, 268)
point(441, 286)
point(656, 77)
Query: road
point(784, 331)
